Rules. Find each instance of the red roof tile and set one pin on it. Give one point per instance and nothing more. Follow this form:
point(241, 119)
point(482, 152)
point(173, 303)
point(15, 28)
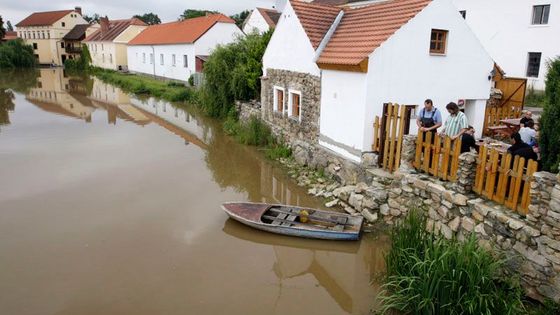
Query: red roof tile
point(116, 27)
point(10, 35)
point(270, 16)
point(43, 18)
point(181, 32)
point(316, 19)
point(364, 29)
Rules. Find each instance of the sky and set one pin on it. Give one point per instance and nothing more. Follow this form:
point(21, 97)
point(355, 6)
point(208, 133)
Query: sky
point(167, 10)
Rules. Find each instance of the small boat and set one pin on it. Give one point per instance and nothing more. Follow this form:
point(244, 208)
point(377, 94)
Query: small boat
point(296, 221)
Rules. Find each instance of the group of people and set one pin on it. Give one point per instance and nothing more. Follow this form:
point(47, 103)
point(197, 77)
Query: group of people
point(457, 125)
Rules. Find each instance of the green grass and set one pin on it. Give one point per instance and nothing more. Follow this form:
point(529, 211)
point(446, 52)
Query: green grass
point(433, 275)
point(534, 98)
point(170, 91)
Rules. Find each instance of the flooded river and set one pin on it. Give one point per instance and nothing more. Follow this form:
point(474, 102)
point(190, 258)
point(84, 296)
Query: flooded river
point(110, 204)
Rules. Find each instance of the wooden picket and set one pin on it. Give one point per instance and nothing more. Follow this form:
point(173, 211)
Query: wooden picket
point(504, 179)
point(388, 134)
point(438, 157)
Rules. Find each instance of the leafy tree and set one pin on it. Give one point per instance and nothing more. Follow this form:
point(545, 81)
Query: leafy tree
point(233, 73)
point(92, 19)
point(550, 133)
point(2, 29)
point(240, 17)
point(149, 18)
point(15, 54)
point(191, 13)
point(9, 26)
point(82, 63)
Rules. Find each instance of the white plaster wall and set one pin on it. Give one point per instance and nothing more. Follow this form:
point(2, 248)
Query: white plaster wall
point(255, 23)
point(504, 28)
point(403, 71)
point(343, 98)
point(167, 70)
point(290, 48)
point(100, 54)
point(219, 34)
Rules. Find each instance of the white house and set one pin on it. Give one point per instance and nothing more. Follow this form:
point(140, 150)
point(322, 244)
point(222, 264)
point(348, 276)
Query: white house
point(520, 35)
point(170, 50)
point(357, 59)
point(260, 21)
point(107, 45)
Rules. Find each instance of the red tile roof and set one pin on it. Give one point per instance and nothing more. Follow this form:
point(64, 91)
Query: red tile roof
point(10, 35)
point(336, 2)
point(181, 32)
point(364, 29)
point(43, 18)
point(316, 19)
point(116, 27)
point(270, 16)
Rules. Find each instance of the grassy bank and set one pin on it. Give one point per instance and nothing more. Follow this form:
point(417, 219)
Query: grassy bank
point(138, 84)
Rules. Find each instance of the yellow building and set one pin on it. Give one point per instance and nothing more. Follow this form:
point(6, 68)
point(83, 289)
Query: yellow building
point(45, 32)
point(107, 46)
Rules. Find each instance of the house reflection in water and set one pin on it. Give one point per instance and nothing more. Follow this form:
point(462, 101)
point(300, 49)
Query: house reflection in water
point(51, 94)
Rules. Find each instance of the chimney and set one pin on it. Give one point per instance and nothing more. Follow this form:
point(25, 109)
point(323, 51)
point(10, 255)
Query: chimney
point(104, 23)
point(78, 9)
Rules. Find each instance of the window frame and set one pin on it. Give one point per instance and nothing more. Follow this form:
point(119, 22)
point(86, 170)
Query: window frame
point(275, 90)
point(528, 73)
point(463, 13)
point(545, 13)
point(144, 57)
point(173, 60)
point(161, 60)
point(185, 61)
point(443, 50)
point(291, 94)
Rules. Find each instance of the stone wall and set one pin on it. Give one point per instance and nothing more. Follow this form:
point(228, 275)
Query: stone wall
point(248, 109)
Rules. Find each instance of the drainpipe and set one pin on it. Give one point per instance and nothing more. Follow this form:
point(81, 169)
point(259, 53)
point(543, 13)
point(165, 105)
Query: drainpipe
point(154, 60)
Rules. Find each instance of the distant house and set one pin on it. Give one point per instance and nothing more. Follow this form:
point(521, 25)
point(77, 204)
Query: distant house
point(522, 39)
point(170, 50)
point(329, 70)
point(107, 46)
point(45, 31)
point(9, 36)
point(260, 21)
point(73, 40)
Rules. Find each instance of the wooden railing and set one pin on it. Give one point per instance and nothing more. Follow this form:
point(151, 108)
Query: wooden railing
point(495, 114)
point(437, 156)
point(388, 134)
point(504, 179)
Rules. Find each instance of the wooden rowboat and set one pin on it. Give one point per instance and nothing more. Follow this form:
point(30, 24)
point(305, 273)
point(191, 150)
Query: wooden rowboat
point(296, 221)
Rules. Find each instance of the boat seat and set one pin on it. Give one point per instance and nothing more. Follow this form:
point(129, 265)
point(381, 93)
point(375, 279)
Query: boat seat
point(281, 216)
point(341, 220)
point(290, 218)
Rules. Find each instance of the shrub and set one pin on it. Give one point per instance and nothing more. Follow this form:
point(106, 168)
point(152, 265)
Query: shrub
point(82, 63)
point(432, 275)
point(549, 141)
point(278, 151)
point(15, 54)
point(255, 132)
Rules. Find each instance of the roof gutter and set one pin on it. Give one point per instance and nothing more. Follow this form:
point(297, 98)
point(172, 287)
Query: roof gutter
point(328, 35)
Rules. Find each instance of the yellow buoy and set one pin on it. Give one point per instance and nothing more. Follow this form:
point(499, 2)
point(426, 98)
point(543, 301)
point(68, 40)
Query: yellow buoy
point(303, 216)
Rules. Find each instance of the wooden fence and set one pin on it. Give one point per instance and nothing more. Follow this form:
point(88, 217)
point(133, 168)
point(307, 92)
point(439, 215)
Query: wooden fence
point(388, 134)
point(511, 104)
point(504, 179)
point(438, 157)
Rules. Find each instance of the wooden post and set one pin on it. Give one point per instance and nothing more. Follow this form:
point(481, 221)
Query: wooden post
point(400, 139)
point(491, 175)
point(445, 163)
point(393, 137)
point(387, 135)
point(500, 195)
point(480, 170)
point(418, 155)
point(526, 200)
point(427, 152)
point(455, 159)
point(375, 146)
point(436, 151)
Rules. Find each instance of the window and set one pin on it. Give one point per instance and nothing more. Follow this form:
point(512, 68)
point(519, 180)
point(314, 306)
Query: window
point(295, 104)
point(151, 58)
point(278, 99)
point(534, 64)
point(173, 60)
point(185, 61)
point(33, 35)
point(143, 57)
point(61, 44)
point(540, 14)
point(43, 34)
point(161, 59)
point(110, 58)
point(463, 13)
point(63, 24)
point(48, 34)
point(34, 45)
point(101, 47)
point(438, 41)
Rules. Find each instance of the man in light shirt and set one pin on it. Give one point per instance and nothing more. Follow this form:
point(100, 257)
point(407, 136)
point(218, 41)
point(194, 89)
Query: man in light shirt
point(528, 133)
point(456, 124)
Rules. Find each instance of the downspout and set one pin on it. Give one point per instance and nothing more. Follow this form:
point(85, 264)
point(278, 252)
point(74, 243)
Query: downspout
point(328, 35)
point(154, 60)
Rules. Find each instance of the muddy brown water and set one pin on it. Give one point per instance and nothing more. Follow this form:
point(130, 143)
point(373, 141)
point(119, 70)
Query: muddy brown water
point(110, 204)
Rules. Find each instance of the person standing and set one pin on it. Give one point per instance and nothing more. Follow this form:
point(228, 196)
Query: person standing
point(456, 124)
point(429, 118)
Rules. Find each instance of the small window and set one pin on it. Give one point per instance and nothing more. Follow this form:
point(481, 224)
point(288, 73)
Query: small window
point(63, 24)
point(34, 45)
point(101, 47)
point(103, 58)
point(111, 58)
point(61, 44)
point(295, 104)
point(151, 58)
point(143, 57)
point(185, 61)
point(438, 41)
point(161, 59)
point(278, 99)
point(534, 64)
point(463, 13)
point(173, 60)
point(48, 35)
point(540, 14)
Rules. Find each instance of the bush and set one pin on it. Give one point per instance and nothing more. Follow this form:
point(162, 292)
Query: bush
point(233, 72)
point(278, 151)
point(15, 54)
point(82, 63)
point(549, 141)
point(429, 275)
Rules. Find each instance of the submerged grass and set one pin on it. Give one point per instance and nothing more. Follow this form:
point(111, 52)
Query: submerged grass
point(433, 275)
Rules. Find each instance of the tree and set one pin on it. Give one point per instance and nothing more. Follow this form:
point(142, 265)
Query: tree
point(191, 13)
point(2, 29)
point(240, 17)
point(15, 54)
point(92, 19)
point(9, 26)
point(550, 133)
point(149, 18)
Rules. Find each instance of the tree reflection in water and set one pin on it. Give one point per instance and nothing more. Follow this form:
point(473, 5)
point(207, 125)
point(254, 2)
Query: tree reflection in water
point(19, 81)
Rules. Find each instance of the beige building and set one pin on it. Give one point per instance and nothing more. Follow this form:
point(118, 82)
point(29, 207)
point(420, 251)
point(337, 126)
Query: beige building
point(107, 46)
point(45, 32)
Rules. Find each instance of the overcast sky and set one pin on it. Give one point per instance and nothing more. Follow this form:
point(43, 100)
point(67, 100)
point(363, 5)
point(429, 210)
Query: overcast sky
point(167, 10)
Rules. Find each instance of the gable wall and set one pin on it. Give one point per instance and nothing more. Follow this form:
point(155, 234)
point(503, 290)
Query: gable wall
point(255, 23)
